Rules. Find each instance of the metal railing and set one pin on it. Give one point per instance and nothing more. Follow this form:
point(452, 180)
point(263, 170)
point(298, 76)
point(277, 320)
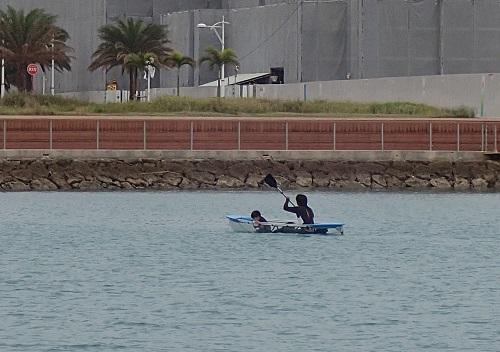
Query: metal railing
point(484, 135)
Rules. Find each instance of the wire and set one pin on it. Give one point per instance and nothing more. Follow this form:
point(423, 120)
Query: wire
point(272, 34)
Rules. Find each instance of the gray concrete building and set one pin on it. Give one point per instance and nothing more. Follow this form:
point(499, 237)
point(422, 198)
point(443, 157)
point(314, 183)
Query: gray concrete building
point(312, 40)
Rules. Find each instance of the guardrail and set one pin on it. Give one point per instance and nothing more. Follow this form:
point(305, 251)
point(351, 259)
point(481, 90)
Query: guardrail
point(250, 134)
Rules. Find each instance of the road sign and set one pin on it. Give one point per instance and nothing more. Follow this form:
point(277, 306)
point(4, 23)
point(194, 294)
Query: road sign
point(32, 69)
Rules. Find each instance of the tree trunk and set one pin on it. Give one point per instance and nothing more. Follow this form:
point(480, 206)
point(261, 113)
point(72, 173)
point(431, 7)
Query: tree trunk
point(131, 85)
point(21, 78)
point(178, 79)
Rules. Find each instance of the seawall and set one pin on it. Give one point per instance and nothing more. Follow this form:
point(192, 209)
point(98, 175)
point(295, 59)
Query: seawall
point(422, 171)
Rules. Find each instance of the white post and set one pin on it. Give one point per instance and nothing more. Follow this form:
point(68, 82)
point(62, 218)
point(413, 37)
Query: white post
point(52, 72)
point(2, 89)
point(223, 83)
point(149, 83)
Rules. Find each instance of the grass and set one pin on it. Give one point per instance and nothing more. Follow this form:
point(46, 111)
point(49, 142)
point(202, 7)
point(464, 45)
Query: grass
point(28, 104)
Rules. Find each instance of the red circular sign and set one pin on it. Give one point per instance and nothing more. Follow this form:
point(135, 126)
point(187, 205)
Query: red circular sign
point(32, 69)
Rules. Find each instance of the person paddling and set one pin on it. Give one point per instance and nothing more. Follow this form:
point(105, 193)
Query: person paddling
point(302, 210)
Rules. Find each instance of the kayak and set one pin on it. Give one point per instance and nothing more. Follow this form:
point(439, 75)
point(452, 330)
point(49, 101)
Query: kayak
point(243, 223)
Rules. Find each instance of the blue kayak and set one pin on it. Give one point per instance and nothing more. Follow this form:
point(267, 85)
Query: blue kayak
point(244, 223)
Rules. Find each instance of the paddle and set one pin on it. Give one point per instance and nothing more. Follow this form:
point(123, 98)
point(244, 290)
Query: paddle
point(271, 182)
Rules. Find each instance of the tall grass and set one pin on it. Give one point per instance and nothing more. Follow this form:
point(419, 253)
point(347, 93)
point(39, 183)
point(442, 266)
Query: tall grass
point(28, 104)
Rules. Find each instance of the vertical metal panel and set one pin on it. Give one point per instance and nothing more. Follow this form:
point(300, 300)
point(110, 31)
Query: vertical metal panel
point(470, 136)
point(28, 134)
point(357, 135)
point(215, 135)
point(263, 135)
point(74, 134)
point(444, 136)
point(310, 135)
point(168, 135)
point(121, 134)
point(406, 135)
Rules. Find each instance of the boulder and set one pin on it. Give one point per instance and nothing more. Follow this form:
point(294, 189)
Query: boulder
point(16, 186)
point(415, 182)
point(479, 184)
point(320, 179)
point(303, 179)
point(187, 183)
point(88, 185)
point(379, 181)
point(240, 170)
point(254, 180)
point(43, 184)
point(24, 175)
point(461, 183)
point(202, 177)
point(137, 182)
point(440, 183)
point(348, 185)
point(172, 178)
point(364, 179)
point(226, 181)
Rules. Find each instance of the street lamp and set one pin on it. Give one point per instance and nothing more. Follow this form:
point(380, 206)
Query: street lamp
point(221, 40)
point(150, 72)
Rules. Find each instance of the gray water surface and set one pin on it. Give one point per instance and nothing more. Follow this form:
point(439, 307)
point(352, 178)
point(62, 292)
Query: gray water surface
point(163, 272)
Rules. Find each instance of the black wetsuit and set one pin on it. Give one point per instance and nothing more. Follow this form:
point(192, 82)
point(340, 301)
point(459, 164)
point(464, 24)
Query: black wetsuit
point(303, 212)
point(262, 228)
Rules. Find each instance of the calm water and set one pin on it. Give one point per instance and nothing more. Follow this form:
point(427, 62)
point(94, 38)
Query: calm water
point(163, 272)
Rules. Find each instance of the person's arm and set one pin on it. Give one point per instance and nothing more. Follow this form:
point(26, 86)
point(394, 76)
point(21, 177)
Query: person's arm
point(286, 207)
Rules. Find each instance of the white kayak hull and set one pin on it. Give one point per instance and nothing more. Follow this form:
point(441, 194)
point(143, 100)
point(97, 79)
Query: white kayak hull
point(242, 223)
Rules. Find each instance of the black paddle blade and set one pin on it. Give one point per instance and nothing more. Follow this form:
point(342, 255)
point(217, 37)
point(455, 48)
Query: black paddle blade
point(270, 181)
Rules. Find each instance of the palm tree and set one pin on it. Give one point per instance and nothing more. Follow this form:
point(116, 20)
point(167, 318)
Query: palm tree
point(217, 58)
point(128, 42)
point(32, 38)
point(177, 59)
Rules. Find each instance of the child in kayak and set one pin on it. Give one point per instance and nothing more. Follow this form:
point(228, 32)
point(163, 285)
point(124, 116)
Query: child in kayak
point(302, 210)
point(257, 220)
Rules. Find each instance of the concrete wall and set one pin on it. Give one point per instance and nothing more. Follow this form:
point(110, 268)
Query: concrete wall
point(478, 91)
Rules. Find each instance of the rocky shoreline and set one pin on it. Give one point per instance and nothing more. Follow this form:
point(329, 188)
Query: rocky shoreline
point(113, 174)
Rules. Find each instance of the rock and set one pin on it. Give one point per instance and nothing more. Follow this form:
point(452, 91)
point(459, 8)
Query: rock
point(89, 185)
point(393, 182)
point(254, 180)
point(172, 178)
point(186, 183)
point(104, 179)
point(43, 184)
point(38, 168)
point(320, 179)
point(441, 168)
point(16, 186)
point(74, 179)
point(440, 183)
point(364, 179)
point(126, 185)
point(137, 182)
point(348, 185)
point(461, 183)
point(379, 180)
point(240, 171)
point(202, 177)
point(24, 175)
point(415, 182)
point(423, 172)
point(60, 182)
point(479, 183)
point(229, 182)
point(303, 179)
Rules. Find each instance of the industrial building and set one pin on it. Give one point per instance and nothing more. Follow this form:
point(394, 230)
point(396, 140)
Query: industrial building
point(305, 40)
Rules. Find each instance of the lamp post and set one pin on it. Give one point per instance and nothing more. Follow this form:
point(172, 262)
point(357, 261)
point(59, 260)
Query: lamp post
point(2, 88)
point(221, 40)
point(149, 73)
point(52, 72)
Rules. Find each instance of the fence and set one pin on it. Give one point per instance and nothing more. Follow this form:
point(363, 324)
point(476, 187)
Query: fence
point(250, 134)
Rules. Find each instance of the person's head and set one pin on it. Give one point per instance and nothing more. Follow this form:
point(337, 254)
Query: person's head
point(255, 215)
point(301, 200)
